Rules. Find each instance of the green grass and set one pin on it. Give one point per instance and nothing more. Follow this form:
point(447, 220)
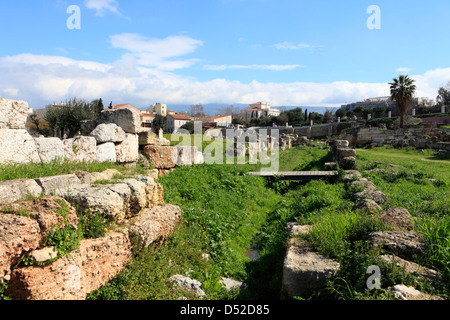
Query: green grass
point(34, 171)
point(222, 211)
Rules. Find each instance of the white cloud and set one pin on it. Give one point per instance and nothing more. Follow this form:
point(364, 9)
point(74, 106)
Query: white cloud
point(157, 52)
point(102, 6)
point(41, 80)
point(292, 45)
point(271, 67)
point(403, 70)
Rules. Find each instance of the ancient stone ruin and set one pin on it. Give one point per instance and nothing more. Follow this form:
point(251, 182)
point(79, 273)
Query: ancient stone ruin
point(305, 270)
point(32, 209)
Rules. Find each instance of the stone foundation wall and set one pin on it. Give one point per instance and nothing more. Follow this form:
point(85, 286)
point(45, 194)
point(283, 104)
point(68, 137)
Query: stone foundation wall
point(134, 206)
point(421, 137)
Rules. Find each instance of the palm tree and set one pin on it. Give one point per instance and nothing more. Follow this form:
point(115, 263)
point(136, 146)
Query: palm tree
point(402, 92)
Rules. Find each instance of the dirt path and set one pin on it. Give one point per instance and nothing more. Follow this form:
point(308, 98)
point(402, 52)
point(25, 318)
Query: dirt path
point(405, 156)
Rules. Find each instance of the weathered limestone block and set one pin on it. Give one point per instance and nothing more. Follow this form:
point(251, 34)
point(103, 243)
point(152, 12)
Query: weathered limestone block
point(304, 270)
point(128, 120)
point(81, 149)
point(50, 149)
point(99, 200)
point(58, 185)
point(153, 224)
point(108, 132)
point(362, 183)
point(17, 146)
point(367, 205)
point(155, 194)
point(408, 245)
point(13, 190)
point(347, 163)
point(146, 138)
point(398, 218)
point(51, 213)
point(160, 156)
point(128, 150)
point(352, 175)
point(369, 193)
point(13, 114)
point(340, 144)
point(403, 292)
point(138, 200)
point(18, 235)
point(231, 284)
point(197, 156)
point(91, 177)
point(188, 284)
point(106, 152)
point(187, 155)
point(412, 267)
point(345, 152)
point(73, 277)
point(162, 142)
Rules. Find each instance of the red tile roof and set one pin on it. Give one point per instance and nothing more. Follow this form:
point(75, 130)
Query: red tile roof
point(147, 115)
point(179, 117)
point(255, 109)
point(213, 118)
point(120, 105)
point(257, 103)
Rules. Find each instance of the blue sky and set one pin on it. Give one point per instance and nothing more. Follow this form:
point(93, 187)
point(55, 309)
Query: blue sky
point(284, 52)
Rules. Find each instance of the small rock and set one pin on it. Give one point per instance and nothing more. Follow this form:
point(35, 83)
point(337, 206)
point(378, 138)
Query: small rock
point(367, 205)
point(403, 292)
point(231, 284)
point(43, 255)
point(188, 284)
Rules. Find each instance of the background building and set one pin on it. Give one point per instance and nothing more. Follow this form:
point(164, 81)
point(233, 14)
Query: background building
point(175, 121)
point(159, 109)
point(260, 109)
point(219, 121)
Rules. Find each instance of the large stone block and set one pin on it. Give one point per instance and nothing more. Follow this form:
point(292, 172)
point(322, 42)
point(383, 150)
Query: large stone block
point(14, 190)
point(50, 149)
point(409, 245)
point(90, 177)
point(146, 138)
point(108, 132)
point(345, 152)
point(58, 185)
point(81, 149)
point(128, 150)
point(106, 152)
point(128, 120)
point(18, 235)
point(153, 224)
point(74, 276)
point(98, 200)
point(160, 156)
point(17, 147)
point(13, 114)
point(305, 270)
